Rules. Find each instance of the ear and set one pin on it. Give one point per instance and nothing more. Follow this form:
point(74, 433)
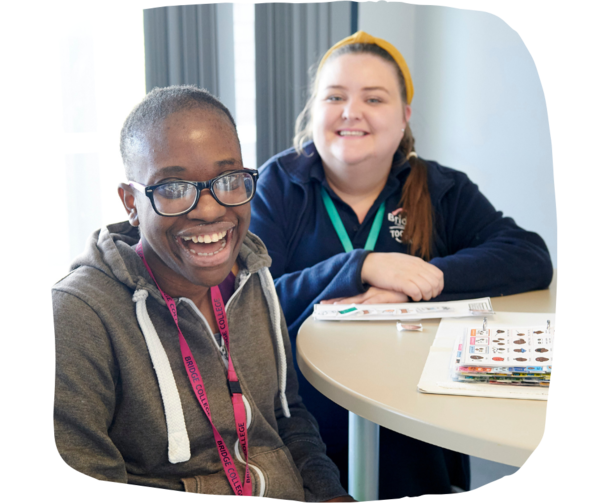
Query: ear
point(407, 112)
point(128, 199)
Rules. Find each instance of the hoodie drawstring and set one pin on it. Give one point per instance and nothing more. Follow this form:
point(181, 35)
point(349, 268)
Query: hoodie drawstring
point(179, 442)
point(272, 301)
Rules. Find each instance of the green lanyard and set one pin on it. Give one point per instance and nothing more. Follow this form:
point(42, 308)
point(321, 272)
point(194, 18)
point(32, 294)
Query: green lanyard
point(341, 230)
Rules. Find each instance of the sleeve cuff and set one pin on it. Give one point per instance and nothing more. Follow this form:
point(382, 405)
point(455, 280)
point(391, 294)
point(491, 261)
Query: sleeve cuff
point(360, 286)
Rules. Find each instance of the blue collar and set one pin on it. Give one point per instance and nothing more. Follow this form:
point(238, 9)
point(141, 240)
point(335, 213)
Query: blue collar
point(304, 167)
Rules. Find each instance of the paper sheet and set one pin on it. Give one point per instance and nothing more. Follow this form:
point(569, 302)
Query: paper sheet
point(436, 375)
point(405, 311)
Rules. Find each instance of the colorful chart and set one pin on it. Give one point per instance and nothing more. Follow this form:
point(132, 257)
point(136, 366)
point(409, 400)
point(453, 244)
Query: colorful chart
point(514, 356)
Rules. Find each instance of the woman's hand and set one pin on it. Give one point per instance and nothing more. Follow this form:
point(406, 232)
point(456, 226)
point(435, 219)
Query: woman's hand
point(373, 295)
point(403, 273)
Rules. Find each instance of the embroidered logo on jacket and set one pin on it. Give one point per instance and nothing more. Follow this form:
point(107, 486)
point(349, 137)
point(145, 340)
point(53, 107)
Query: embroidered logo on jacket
point(399, 223)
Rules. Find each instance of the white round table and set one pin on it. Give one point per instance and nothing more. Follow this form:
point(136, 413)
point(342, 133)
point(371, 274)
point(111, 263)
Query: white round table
point(373, 370)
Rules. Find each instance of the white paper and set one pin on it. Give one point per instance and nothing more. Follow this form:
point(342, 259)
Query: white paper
point(405, 311)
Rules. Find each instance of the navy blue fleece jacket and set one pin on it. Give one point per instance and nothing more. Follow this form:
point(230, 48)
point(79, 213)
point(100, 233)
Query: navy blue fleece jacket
point(480, 251)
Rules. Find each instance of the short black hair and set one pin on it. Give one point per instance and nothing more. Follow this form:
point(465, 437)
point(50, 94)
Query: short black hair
point(159, 104)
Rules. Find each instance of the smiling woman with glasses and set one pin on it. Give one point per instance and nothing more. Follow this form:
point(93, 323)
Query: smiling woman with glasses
point(178, 197)
point(167, 319)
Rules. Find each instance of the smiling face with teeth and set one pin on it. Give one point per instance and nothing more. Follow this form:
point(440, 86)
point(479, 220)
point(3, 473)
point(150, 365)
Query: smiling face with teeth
point(358, 115)
point(200, 248)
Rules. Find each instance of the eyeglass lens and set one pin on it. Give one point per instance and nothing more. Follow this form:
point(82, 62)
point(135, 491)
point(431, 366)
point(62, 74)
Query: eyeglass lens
point(177, 197)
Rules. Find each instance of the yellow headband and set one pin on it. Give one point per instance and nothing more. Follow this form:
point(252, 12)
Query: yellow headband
point(360, 37)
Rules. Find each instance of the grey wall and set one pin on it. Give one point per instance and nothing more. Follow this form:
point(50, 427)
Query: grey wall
point(479, 105)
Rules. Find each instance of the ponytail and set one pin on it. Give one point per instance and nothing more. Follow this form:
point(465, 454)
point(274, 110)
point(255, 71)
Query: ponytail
point(416, 202)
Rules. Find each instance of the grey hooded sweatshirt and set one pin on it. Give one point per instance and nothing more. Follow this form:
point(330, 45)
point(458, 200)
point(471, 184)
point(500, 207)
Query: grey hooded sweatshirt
point(124, 408)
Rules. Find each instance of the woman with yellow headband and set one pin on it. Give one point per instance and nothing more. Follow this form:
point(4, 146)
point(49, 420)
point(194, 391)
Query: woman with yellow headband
point(353, 214)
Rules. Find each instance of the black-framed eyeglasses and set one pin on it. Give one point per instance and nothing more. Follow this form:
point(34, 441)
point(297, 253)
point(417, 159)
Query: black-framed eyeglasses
point(178, 197)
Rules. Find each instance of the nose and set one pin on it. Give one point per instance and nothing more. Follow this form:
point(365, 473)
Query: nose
point(352, 110)
point(207, 208)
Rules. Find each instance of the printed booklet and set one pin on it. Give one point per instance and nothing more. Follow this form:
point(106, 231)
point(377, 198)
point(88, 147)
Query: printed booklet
point(504, 355)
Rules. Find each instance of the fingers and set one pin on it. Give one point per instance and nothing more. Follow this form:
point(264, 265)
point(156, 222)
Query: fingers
point(436, 280)
point(399, 272)
point(422, 288)
point(428, 279)
point(372, 296)
point(331, 301)
point(419, 285)
point(357, 299)
point(426, 284)
point(387, 297)
point(413, 290)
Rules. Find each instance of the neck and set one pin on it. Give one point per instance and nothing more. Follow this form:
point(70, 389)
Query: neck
point(357, 188)
point(199, 295)
point(175, 286)
point(171, 284)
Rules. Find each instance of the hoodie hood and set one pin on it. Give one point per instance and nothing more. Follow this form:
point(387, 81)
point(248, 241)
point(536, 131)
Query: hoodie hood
point(111, 250)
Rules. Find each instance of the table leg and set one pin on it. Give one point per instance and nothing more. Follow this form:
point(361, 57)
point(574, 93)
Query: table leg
point(363, 458)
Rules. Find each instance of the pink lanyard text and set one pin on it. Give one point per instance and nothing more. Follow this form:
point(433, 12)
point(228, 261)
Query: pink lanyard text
point(235, 390)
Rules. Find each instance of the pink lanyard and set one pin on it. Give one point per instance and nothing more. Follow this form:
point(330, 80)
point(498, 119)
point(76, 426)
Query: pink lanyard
point(235, 390)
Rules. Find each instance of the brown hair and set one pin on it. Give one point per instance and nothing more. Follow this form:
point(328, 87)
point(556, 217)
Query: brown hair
point(415, 200)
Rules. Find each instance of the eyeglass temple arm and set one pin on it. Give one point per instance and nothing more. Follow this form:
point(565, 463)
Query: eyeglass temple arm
point(137, 186)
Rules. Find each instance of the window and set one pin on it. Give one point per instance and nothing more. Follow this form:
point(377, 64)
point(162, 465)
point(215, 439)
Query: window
point(102, 77)
point(95, 77)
